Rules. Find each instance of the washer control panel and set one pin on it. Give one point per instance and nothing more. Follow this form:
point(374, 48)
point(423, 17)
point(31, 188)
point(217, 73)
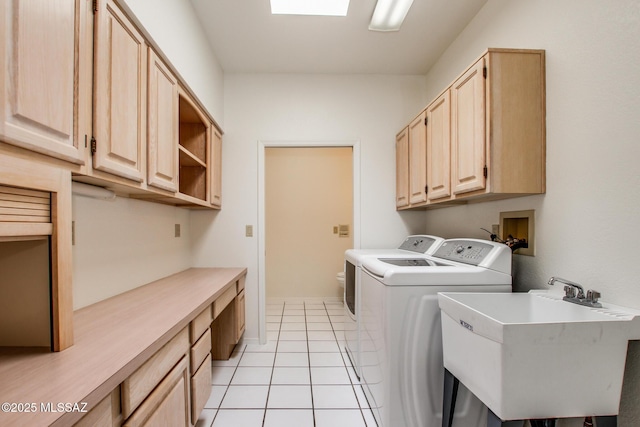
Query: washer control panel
point(417, 244)
point(467, 251)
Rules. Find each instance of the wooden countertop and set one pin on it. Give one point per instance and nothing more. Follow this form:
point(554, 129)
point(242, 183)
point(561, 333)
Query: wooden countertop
point(112, 339)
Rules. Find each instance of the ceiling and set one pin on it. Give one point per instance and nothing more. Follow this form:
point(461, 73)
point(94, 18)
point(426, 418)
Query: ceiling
point(246, 38)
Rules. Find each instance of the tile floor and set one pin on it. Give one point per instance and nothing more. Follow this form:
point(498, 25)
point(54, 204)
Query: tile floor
point(301, 377)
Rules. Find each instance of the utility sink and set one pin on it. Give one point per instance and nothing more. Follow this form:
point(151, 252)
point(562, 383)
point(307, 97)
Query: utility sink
point(533, 355)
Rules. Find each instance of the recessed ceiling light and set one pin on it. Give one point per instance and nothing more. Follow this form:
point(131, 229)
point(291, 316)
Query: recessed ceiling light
point(389, 14)
point(310, 7)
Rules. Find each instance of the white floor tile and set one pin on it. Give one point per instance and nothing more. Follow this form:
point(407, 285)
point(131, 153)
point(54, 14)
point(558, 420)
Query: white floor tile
point(330, 375)
point(333, 397)
point(293, 335)
point(273, 326)
point(273, 318)
point(272, 336)
point(323, 346)
point(293, 326)
point(321, 335)
point(290, 375)
point(257, 359)
point(336, 318)
point(245, 397)
point(325, 326)
point(292, 359)
point(335, 311)
point(294, 305)
point(237, 418)
point(326, 359)
point(252, 376)
point(362, 400)
point(292, 347)
point(288, 418)
point(338, 326)
point(217, 393)
point(317, 319)
point(206, 418)
point(293, 312)
point(269, 347)
point(231, 362)
point(316, 312)
point(290, 397)
point(289, 319)
point(274, 311)
point(221, 375)
point(314, 306)
point(339, 418)
point(369, 418)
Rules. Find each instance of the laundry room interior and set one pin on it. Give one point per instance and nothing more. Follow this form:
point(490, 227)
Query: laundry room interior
point(277, 93)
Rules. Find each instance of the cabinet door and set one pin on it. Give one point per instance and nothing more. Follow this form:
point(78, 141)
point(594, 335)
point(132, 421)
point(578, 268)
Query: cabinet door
point(438, 148)
point(468, 131)
point(119, 94)
point(162, 117)
point(168, 404)
point(402, 168)
point(40, 42)
point(240, 315)
point(216, 168)
point(418, 160)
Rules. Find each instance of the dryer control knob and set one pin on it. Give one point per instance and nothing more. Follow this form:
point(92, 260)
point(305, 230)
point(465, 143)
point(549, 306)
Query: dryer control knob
point(459, 249)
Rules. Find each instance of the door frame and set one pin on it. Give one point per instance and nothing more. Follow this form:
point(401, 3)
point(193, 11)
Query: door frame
point(262, 146)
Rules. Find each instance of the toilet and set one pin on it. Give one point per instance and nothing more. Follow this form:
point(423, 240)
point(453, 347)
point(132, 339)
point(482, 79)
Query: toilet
point(340, 278)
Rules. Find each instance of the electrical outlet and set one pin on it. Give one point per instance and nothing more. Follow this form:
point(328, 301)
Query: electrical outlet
point(177, 230)
point(495, 229)
point(248, 230)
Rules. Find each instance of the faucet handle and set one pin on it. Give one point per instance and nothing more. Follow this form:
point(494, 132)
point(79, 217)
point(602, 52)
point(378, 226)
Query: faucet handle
point(593, 296)
point(569, 291)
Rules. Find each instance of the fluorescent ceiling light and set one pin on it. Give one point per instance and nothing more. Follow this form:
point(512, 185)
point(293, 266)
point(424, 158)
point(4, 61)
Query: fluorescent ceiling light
point(310, 7)
point(389, 14)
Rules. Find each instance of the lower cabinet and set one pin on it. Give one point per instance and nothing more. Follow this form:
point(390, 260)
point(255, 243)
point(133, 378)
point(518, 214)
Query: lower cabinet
point(168, 404)
point(104, 414)
point(228, 321)
point(200, 387)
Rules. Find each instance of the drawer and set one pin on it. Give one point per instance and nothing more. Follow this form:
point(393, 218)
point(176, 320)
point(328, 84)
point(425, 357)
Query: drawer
point(200, 388)
point(137, 387)
point(240, 284)
point(223, 301)
point(104, 414)
point(168, 404)
point(200, 324)
point(200, 350)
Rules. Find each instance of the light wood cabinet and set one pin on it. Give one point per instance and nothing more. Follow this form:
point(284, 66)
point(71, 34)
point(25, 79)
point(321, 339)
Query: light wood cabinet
point(216, 169)
point(418, 160)
point(240, 315)
point(229, 321)
point(105, 414)
point(468, 130)
point(402, 168)
point(168, 404)
point(194, 149)
point(438, 148)
point(120, 102)
point(162, 134)
point(494, 115)
point(42, 79)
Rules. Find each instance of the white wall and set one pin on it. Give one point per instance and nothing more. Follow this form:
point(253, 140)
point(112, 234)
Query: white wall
point(371, 109)
point(587, 223)
point(125, 243)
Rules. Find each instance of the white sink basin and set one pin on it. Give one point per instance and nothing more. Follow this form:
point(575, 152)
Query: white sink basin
point(534, 355)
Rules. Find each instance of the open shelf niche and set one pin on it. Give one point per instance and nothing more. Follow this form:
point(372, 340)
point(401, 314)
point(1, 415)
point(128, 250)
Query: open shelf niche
point(193, 150)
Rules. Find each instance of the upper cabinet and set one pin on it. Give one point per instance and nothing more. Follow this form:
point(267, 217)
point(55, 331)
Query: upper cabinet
point(417, 160)
point(194, 149)
point(485, 134)
point(119, 94)
point(162, 133)
point(43, 56)
point(402, 168)
point(216, 168)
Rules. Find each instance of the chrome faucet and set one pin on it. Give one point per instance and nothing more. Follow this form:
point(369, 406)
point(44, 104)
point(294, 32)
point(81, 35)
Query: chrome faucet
point(590, 300)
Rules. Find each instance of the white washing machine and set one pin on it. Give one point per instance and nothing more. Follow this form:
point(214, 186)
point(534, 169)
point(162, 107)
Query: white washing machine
point(401, 341)
point(412, 246)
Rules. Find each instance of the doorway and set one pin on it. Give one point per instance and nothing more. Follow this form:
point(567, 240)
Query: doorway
point(302, 188)
point(308, 219)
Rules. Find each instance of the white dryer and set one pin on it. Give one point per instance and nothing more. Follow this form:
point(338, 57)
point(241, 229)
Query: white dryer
point(412, 246)
point(401, 341)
